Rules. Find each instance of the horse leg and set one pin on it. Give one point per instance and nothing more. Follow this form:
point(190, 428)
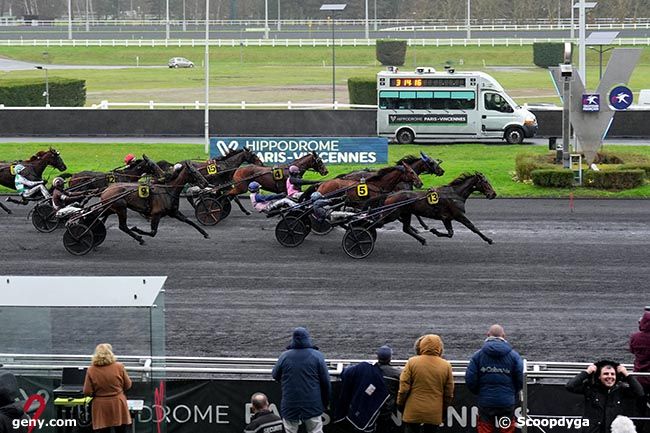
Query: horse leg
point(179, 216)
point(5, 208)
point(450, 230)
point(241, 206)
point(121, 216)
point(424, 226)
point(409, 230)
point(467, 223)
point(155, 220)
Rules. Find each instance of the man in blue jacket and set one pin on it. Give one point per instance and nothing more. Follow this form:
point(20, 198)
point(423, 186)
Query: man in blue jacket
point(302, 372)
point(495, 373)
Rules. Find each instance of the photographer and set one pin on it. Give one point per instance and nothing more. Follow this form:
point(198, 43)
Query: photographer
point(607, 387)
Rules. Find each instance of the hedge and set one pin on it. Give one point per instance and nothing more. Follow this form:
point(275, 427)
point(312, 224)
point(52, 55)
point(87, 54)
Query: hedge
point(547, 54)
point(390, 52)
point(362, 90)
point(554, 178)
point(64, 92)
point(525, 163)
point(614, 179)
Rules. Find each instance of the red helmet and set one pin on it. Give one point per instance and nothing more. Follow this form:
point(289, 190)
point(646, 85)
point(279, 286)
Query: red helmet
point(128, 158)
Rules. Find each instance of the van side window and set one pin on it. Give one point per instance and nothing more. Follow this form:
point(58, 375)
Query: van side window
point(427, 100)
point(495, 102)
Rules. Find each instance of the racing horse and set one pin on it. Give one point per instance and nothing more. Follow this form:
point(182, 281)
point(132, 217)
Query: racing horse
point(422, 165)
point(97, 180)
point(160, 200)
point(220, 171)
point(34, 167)
point(274, 179)
point(445, 203)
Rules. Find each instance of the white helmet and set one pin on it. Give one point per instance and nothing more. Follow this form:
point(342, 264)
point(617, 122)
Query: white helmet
point(58, 181)
point(178, 166)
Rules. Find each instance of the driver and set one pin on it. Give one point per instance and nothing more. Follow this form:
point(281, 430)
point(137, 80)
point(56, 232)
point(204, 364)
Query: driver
point(65, 204)
point(323, 208)
point(295, 182)
point(268, 202)
point(129, 160)
point(27, 188)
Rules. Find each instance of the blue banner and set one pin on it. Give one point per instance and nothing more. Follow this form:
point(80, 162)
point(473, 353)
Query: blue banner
point(283, 150)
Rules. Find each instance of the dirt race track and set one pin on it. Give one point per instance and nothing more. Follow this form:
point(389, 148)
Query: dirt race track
point(566, 286)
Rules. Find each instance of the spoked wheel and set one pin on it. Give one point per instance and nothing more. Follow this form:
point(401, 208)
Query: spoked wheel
point(302, 217)
point(291, 231)
point(358, 242)
point(208, 211)
point(44, 218)
point(99, 233)
point(78, 239)
point(226, 206)
point(320, 227)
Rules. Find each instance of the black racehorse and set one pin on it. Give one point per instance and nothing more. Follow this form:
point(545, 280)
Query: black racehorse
point(445, 203)
point(97, 180)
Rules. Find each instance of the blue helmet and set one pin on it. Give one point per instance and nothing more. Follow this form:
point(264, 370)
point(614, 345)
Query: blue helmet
point(254, 186)
point(316, 196)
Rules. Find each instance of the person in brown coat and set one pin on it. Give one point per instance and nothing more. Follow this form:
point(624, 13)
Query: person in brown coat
point(106, 380)
point(426, 387)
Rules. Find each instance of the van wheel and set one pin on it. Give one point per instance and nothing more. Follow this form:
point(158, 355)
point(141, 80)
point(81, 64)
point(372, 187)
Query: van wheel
point(514, 135)
point(405, 136)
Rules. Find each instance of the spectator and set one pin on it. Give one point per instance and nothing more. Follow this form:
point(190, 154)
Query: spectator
point(390, 374)
point(11, 410)
point(495, 373)
point(640, 348)
point(426, 387)
point(106, 380)
point(268, 202)
point(305, 381)
point(605, 385)
point(263, 420)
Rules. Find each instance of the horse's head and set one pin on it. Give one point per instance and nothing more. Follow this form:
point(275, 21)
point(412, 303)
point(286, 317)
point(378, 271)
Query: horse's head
point(252, 158)
point(409, 175)
point(151, 167)
point(53, 157)
point(318, 164)
point(483, 186)
point(432, 165)
point(192, 175)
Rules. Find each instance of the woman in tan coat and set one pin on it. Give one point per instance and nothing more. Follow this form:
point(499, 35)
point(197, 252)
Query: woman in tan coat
point(426, 387)
point(106, 380)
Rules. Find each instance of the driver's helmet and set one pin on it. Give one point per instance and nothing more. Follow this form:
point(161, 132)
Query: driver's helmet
point(58, 182)
point(254, 187)
point(294, 169)
point(128, 158)
point(18, 168)
point(316, 196)
point(178, 167)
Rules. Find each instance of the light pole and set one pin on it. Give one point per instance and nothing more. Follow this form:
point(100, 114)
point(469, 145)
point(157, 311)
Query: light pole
point(375, 21)
point(69, 19)
point(469, 13)
point(367, 23)
point(166, 19)
point(87, 19)
point(184, 20)
point(333, 8)
point(47, 86)
point(279, 28)
point(266, 19)
point(206, 61)
point(415, 54)
point(582, 46)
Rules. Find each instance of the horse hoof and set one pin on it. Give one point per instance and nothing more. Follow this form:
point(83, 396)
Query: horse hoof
point(490, 241)
point(206, 236)
point(248, 213)
point(140, 241)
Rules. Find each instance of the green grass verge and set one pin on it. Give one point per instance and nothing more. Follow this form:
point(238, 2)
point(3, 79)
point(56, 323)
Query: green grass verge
point(495, 161)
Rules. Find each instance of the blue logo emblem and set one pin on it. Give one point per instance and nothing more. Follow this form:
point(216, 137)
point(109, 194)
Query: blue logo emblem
point(591, 102)
point(620, 97)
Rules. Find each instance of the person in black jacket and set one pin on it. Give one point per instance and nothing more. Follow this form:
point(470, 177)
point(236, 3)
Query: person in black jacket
point(263, 420)
point(11, 410)
point(607, 388)
point(385, 423)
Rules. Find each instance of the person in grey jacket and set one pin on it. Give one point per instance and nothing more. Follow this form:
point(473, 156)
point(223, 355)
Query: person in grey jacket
point(306, 389)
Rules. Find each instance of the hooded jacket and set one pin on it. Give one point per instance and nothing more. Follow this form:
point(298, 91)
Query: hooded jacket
point(495, 373)
point(302, 372)
point(640, 348)
point(426, 386)
point(363, 394)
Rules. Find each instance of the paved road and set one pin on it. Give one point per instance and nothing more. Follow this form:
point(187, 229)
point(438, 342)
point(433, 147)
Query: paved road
point(567, 286)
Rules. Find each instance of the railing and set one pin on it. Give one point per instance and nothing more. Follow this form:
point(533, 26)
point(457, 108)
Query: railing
point(197, 105)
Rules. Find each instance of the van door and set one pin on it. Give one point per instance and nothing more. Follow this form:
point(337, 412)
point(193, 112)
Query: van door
point(496, 113)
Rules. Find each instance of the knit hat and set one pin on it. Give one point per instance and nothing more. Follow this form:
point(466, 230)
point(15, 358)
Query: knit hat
point(384, 353)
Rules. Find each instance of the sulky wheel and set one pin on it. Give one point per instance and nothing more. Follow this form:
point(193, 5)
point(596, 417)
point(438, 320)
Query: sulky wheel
point(320, 227)
point(99, 232)
point(44, 218)
point(226, 206)
point(291, 231)
point(208, 211)
point(78, 239)
point(358, 242)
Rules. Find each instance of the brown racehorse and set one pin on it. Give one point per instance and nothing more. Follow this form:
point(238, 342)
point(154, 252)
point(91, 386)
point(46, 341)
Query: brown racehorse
point(445, 203)
point(97, 180)
point(422, 165)
point(221, 171)
point(378, 185)
point(162, 200)
point(34, 167)
point(265, 176)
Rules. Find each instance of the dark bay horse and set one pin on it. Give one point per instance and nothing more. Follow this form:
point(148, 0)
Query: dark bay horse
point(378, 184)
point(219, 172)
point(422, 165)
point(97, 180)
point(34, 167)
point(265, 175)
point(161, 200)
point(445, 203)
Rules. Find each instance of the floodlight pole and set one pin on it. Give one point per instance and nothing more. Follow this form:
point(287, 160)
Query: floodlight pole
point(69, 19)
point(184, 20)
point(206, 61)
point(573, 35)
point(166, 19)
point(367, 23)
point(582, 57)
point(333, 64)
point(266, 19)
point(87, 19)
point(469, 12)
point(279, 27)
point(375, 20)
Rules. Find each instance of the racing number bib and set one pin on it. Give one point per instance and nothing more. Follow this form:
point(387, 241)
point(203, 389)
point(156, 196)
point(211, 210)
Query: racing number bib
point(12, 170)
point(212, 168)
point(278, 174)
point(362, 190)
point(110, 178)
point(433, 198)
point(143, 191)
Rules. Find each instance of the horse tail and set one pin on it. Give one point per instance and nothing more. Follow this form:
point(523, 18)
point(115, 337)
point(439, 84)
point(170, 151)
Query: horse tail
point(305, 195)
